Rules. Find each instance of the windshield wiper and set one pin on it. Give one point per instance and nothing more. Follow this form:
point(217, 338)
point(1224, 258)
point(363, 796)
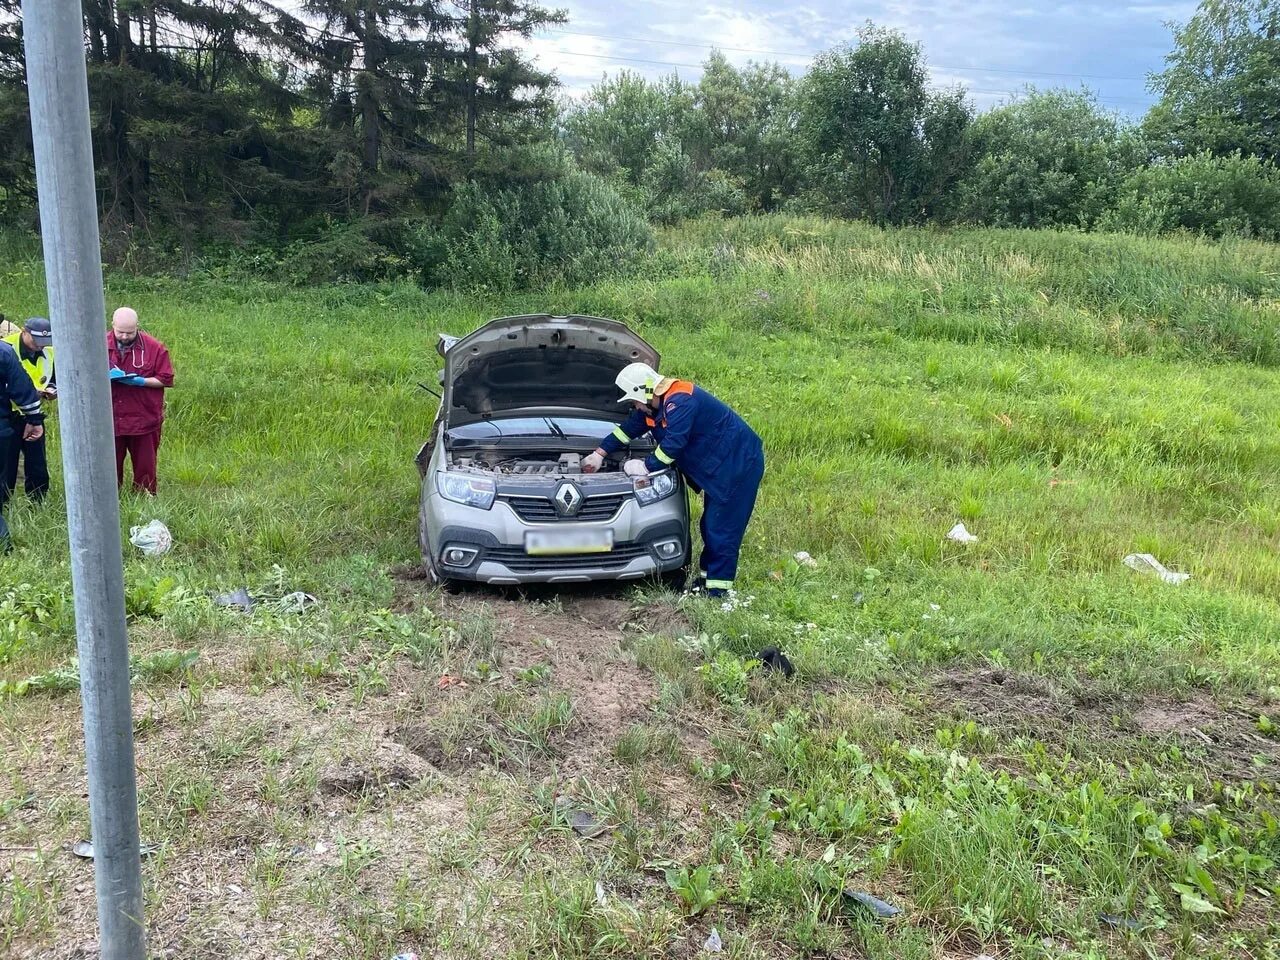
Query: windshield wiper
point(556, 429)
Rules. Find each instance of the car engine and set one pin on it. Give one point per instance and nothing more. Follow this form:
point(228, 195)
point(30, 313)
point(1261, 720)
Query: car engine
point(566, 464)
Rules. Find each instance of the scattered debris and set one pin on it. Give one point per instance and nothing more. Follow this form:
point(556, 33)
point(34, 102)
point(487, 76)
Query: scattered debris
point(295, 602)
point(877, 906)
point(446, 681)
point(1146, 563)
point(774, 659)
point(1119, 922)
point(153, 539)
point(405, 956)
point(84, 849)
point(600, 898)
point(586, 824)
point(959, 534)
point(236, 599)
point(805, 560)
point(713, 944)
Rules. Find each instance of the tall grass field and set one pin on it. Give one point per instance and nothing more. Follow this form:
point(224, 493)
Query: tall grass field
point(1022, 746)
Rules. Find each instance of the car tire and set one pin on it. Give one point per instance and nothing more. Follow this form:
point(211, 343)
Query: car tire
point(676, 580)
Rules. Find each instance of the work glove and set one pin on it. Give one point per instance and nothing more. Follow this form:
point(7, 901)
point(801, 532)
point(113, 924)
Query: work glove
point(635, 468)
point(592, 462)
point(117, 374)
point(134, 381)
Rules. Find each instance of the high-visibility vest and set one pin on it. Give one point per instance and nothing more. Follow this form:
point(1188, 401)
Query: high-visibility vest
point(40, 370)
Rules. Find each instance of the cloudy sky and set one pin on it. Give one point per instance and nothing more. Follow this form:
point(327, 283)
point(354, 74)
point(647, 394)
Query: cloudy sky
point(993, 48)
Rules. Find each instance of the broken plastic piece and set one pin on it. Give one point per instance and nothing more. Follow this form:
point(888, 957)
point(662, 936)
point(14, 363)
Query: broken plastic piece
point(153, 539)
point(959, 534)
point(1146, 563)
point(586, 824)
point(295, 602)
point(713, 944)
point(84, 849)
point(237, 599)
point(774, 659)
point(877, 906)
point(1124, 923)
point(600, 898)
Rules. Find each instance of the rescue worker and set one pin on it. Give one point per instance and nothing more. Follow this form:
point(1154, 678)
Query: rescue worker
point(16, 388)
point(33, 343)
point(140, 373)
point(720, 456)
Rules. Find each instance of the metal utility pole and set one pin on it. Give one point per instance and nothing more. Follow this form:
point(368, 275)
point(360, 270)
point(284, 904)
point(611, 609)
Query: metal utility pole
point(54, 39)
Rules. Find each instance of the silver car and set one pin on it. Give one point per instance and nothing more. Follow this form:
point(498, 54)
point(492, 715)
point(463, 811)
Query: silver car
point(504, 498)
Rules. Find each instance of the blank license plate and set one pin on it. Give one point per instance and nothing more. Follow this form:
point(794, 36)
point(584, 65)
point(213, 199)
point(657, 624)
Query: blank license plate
point(550, 542)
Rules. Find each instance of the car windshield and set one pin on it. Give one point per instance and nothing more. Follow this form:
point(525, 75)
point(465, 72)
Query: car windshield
point(509, 427)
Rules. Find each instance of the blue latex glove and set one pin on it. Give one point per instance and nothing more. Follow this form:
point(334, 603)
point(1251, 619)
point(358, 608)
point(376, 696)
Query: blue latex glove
point(134, 381)
point(117, 374)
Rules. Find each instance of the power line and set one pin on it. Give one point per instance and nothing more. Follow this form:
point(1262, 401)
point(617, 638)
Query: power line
point(811, 54)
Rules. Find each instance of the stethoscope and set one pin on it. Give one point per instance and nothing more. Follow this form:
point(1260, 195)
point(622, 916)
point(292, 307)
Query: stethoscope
point(133, 351)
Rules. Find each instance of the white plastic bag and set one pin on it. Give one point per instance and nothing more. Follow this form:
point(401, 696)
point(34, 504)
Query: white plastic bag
point(154, 539)
point(1146, 563)
point(959, 534)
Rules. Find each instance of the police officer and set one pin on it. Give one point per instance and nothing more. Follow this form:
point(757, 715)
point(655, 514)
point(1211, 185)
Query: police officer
point(33, 343)
point(16, 388)
point(707, 442)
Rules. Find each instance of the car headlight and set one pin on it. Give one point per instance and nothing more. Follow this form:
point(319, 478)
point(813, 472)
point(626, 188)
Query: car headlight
point(464, 488)
point(655, 487)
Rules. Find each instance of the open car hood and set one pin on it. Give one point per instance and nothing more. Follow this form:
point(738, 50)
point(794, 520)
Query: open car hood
point(538, 362)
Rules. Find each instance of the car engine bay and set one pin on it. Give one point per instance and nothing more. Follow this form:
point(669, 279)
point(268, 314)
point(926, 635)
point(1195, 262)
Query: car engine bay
point(531, 465)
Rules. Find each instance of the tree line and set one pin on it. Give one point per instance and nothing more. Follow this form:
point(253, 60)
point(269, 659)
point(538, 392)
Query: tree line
point(374, 138)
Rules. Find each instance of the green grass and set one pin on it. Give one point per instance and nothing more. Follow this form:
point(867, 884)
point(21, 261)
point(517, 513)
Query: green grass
point(1072, 398)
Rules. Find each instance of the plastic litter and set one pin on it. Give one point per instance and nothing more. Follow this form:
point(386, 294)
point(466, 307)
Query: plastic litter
point(585, 824)
point(153, 539)
point(713, 944)
point(805, 560)
point(295, 602)
point(774, 659)
point(877, 906)
point(84, 849)
point(236, 599)
point(405, 956)
point(600, 893)
point(959, 534)
point(1123, 923)
point(1146, 563)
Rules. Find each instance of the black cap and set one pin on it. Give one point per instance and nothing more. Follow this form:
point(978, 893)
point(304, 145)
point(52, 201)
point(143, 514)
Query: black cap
point(40, 331)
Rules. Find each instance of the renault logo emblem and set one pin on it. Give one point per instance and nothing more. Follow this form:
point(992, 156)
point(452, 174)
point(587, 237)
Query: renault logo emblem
point(568, 500)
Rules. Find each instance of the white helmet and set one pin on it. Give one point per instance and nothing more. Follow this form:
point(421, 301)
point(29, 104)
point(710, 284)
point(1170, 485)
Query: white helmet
point(637, 381)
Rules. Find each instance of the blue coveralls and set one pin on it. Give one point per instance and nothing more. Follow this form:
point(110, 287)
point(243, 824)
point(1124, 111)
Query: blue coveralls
point(16, 388)
point(720, 456)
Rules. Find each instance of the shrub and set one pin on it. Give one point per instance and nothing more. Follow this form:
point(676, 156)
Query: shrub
point(1214, 196)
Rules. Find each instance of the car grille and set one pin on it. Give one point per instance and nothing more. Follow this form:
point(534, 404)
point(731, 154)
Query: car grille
point(517, 561)
point(542, 510)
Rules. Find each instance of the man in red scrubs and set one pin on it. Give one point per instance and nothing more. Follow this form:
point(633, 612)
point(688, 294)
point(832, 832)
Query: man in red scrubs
point(140, 374)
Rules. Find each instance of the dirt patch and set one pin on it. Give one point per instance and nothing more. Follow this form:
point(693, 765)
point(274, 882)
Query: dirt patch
point(449, 757)
point(1225, 738)
point(579, 638)
point(1228, 737)
point(1002, 693)
point(353, 780)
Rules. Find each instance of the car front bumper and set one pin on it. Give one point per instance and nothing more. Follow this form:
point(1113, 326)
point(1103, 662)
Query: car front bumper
point(494, 541)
